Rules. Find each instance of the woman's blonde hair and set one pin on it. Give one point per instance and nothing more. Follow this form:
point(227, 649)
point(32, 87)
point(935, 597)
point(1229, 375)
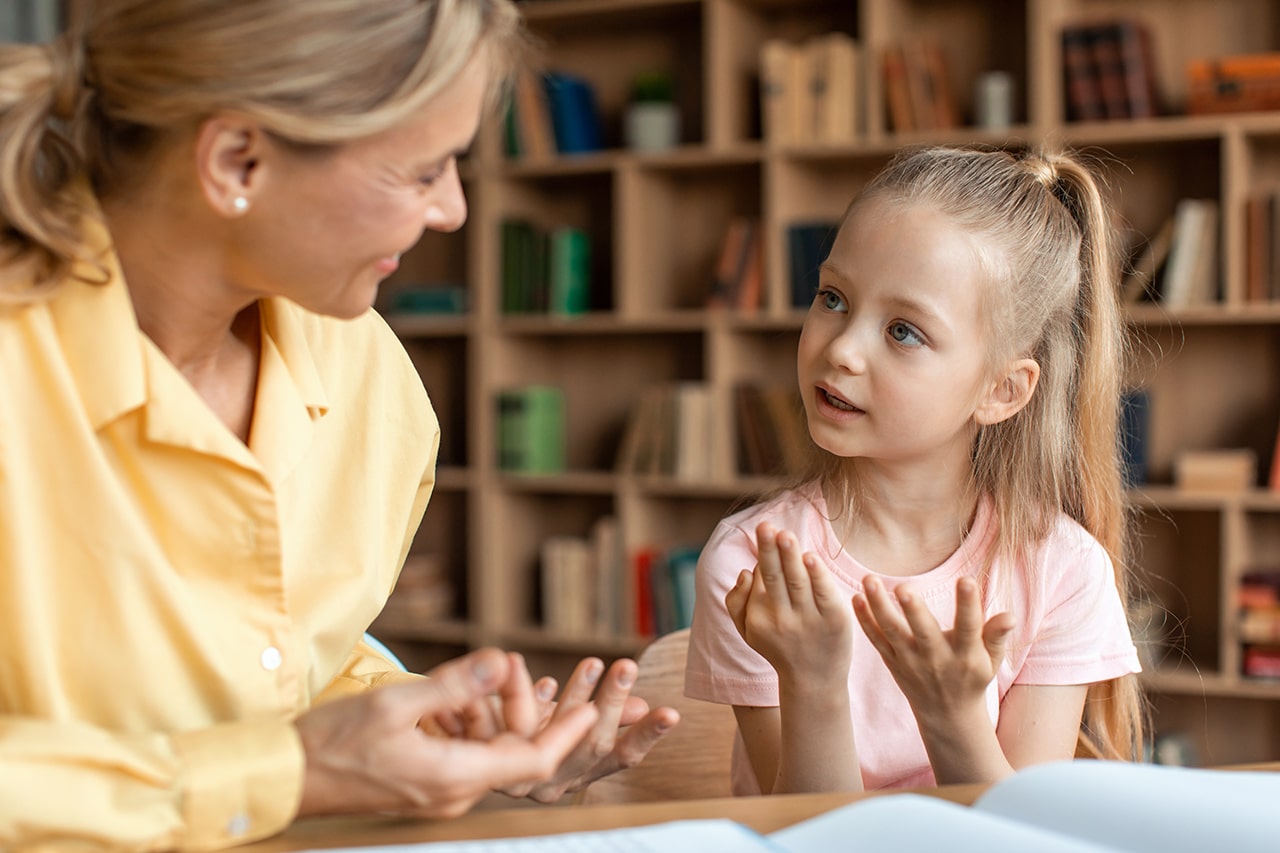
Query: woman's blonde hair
point(95, 103)
point(1053, 271)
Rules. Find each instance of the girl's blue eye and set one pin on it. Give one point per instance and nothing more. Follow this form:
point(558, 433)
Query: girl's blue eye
point(829, 299)
point(904, 333)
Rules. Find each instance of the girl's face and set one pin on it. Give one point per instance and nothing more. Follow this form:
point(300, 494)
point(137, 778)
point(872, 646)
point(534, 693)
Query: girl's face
point(331, 226)
point(892, 357)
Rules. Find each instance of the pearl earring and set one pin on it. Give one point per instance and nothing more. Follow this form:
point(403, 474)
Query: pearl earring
point(240, 204)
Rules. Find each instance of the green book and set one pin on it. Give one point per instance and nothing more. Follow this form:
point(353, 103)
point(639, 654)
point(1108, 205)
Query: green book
point(531, 436)
point(569, 271)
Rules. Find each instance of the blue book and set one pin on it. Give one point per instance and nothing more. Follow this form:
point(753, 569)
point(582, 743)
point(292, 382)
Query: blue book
point(1135, 419)
point(575, 118)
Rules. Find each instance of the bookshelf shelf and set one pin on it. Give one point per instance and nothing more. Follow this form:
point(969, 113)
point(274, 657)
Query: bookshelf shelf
point(656, 222)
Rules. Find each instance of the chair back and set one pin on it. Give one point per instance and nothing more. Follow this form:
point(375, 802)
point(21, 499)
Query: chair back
point(692, 760)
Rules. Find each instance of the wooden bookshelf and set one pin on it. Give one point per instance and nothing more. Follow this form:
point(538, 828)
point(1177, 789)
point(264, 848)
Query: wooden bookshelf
point(656, 221)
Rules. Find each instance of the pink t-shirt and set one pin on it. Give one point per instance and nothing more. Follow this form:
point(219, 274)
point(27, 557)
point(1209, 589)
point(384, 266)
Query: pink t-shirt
point(1071, 628)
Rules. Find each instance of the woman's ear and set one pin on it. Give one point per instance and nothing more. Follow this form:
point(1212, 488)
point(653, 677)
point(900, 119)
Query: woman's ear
point(228, 152)
point(1010, 393)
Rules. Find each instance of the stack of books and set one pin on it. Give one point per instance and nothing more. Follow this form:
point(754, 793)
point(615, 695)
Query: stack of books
point(1108, 70)
point(1234, 84)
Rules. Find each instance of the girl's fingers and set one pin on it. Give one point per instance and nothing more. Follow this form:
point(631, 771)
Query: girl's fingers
point(995, 635)
point(769, 575)
point(736, 601)
point(968, 629)
point(867, 619)
point(925, 631)
point(795, 575)
point(887, 614)
point(826, 595)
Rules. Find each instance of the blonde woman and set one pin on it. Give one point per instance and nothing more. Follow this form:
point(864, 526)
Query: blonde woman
point(213, 454)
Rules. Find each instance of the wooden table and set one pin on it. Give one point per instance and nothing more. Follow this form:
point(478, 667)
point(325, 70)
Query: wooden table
point(764, 814)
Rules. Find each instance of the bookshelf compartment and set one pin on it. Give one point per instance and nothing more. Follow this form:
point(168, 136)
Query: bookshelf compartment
point(545, 201)
point(641, 38)
point(1178, 552)
point(971, 44)
point(1217, 730)
point(1149, 178)
point(443, 365)
point(671, 521)
point(738, 30)
point(1183, 30)
point(528, 522)
point(1210, 387)
point(602, 377)
point(675, 231)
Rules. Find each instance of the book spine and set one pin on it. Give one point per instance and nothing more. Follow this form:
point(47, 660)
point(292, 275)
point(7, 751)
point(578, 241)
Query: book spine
point(1083, 99)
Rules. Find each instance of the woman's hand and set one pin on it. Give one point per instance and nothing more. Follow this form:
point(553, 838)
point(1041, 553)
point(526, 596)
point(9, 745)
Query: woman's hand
point(942, 673)
point(525, 708)
point(791, 612)
point(367, 753)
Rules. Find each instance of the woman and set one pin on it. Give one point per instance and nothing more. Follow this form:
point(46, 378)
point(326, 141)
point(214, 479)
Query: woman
point(213, 455)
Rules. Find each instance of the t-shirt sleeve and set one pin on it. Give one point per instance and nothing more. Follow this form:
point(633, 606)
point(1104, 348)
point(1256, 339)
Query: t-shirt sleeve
point(721, 667)
point(1084, 635)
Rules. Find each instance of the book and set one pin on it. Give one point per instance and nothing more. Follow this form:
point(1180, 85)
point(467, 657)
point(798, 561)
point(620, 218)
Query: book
point(568, 585)
point(1135, 419)
point(1258, 211)
point(1273, 480)
point(1190, 272)
point(784, 84)
point(734, 264)
point(1226, 470)
point(808, 243)
point(1108, 70)
point(835, 65)
point(568, 271)
point(1082, 95)
point(1068, 806)
point(531, 437)
point(575, 117)
point(1138, 68)
point(897, 89)
point(534, 136)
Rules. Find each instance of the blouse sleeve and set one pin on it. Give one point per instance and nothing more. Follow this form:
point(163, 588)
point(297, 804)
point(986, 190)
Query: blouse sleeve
point(199, 790)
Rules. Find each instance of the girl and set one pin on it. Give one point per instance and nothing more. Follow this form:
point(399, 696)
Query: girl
point(960, 369)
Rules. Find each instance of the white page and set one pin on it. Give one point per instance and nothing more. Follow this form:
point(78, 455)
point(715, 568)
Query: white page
point(1145, 808)
point(681, 836)
point(915, 823)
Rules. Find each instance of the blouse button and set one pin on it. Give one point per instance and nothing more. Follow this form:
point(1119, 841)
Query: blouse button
point(271, 658)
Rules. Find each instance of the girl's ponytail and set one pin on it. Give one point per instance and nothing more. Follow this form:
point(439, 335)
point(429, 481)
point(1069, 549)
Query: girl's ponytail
point(1114, 716)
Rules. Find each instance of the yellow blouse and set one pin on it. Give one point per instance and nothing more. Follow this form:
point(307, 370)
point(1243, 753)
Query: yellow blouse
point(171, 599)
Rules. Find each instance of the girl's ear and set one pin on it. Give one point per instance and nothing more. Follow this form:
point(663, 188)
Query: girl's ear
point(228, 154)
point(1009, 394)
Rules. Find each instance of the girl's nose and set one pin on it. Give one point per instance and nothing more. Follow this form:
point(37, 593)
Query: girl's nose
point(848, 350)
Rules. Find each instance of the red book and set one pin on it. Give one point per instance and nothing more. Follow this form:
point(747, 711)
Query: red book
point(1108, 64)
point(642, 561)
point(1084, 100)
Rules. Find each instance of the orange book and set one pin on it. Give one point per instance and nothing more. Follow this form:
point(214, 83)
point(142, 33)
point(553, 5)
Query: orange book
point(897, 90)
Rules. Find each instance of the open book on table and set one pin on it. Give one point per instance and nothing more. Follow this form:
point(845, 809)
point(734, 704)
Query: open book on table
point(1065, 807)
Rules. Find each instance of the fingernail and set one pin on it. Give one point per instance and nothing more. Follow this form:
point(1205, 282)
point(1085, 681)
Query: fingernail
point(593, 672)
point(626, 678)
point(481, 670)
point(546, 690)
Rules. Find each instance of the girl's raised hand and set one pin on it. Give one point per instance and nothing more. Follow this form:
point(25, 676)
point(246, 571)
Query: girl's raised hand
point(791, 612)
point(941, 673)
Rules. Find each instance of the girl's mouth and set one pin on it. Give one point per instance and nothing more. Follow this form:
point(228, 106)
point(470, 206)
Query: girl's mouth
point(836, 402)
